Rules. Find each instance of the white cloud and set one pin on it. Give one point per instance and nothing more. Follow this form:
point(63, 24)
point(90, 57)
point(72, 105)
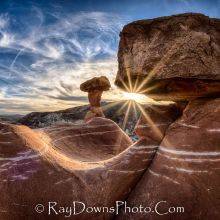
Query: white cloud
point(3, 21)
point(64, 54)
point(6, 40)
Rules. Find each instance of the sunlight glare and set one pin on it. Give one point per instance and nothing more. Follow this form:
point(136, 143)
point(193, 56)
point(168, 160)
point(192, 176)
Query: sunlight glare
point(140, 98)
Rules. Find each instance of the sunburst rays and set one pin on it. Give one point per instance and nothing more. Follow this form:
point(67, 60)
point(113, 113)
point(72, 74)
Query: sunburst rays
point(148, 119)
point(139, 87)
point(126, 115)
point(122, 107)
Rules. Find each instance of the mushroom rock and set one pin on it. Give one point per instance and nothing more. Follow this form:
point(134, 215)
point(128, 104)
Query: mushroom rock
point(171, 58)
point(97, 83)
point(94, 163)
point(94, 112)
point(185, 171)
point(95, 88)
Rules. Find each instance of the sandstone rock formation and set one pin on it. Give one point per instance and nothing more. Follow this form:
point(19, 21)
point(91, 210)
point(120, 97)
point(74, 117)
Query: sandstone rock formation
point(176, 58)
point(185, 171)
point(171, 58)
point(95, 88)
point(176, 160)
point(65, 164)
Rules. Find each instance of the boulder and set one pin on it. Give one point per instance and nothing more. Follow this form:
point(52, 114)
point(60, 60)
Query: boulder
point(185, 171)
point(96, 83)
point(171, 58)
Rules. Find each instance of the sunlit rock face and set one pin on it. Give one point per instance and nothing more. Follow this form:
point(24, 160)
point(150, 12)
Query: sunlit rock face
point(97, 140)
point(185, 171)
point(156, 119)
point(171, 58)
point(95, 163)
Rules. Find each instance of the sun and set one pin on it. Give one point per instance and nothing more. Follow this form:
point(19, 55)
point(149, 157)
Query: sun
point(140, 98)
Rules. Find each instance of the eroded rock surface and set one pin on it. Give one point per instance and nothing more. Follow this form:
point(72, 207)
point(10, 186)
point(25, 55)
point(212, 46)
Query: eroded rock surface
point(185, 171)
point(171, 58)
point(97, 140)
point(176, 159)
point(176, 58)
point(67, 163)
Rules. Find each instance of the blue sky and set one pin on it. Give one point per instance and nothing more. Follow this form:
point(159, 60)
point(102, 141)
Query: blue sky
point(47, 48)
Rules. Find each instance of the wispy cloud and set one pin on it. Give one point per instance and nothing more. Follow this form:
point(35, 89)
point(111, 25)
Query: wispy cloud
point(47, 61)
point(6, 39)
point(48, 49)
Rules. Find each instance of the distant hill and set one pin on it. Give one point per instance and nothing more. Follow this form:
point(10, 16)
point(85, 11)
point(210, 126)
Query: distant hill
point(10, 118)
point(113, 111)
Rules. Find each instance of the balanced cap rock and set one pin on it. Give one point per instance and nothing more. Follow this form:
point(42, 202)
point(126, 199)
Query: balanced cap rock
point(95, 88)
point(97, 83)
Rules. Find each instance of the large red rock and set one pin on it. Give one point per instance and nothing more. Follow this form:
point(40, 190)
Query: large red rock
point(94, 163)
point(171, 58)
point(185, 171)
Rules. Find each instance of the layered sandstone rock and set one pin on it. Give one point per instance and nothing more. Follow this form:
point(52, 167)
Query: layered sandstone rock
point(175, 162)
point(185, 171)
point(96, 140)
point(94, 163)
point(171, 58)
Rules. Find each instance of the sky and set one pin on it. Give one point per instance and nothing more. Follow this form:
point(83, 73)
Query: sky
point(47, 48)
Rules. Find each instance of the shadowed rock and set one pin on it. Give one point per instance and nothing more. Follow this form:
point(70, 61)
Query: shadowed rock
point(176, 58)
point(156, 120)
point(95, 88)
point(171, 58)
point(185, 171)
